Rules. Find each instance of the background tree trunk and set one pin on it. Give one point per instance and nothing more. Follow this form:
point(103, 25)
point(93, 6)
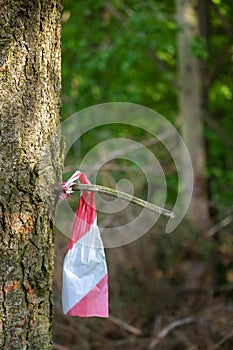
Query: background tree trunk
point(193, 105)
point(192, 110)
point(30, 87)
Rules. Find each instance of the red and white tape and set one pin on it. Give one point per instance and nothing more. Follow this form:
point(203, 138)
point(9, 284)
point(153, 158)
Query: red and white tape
point(85, 276)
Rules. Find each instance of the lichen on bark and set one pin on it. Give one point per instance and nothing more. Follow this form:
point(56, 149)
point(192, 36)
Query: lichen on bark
point(30, 88)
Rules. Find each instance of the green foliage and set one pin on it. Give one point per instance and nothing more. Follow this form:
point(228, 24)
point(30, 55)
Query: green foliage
point(112, 51)
point(126, 51)
point(123, 51)
point(220, 71)
point(199, 47)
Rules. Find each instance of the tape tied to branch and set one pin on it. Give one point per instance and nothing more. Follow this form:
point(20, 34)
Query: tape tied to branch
point(85, 276)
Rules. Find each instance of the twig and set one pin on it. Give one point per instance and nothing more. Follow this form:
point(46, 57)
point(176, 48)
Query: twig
point(166, 330)
point(223, 340)
point(219, 225)
point(181, 335)
point(125, 196)
point(124, 325)
point(58, 347)
point(227, 288)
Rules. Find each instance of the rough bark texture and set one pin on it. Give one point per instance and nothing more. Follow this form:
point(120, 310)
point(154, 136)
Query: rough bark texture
point(29, 168)
point(192, 111)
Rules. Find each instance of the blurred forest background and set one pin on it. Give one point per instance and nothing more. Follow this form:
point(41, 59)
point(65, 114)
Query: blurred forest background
point(166, 291)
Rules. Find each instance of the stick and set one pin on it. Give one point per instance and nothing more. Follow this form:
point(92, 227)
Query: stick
point(223, 340)
point(220, 225)
point(166, 330)
point(58, 347)
point(125, 196)
point(125, 325)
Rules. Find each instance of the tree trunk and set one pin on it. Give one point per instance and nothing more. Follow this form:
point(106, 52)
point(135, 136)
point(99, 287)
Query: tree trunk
point(192, 111)
point(30, 88)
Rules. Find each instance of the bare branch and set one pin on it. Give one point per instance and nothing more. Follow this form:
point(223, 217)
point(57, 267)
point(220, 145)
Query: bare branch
point(225, 221)
point(220, 225)
point(125, 196)
point(182, 336)
point(58, 347)
point(125, 325)
point(223, 340)
point(166, 330)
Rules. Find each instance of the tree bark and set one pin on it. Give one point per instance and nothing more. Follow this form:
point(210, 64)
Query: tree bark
point(30, 88)
point(192, 111)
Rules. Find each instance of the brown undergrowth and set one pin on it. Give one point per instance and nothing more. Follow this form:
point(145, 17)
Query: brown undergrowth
point(166, 292)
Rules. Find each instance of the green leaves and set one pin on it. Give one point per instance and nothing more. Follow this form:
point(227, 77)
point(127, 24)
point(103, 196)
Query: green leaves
point(116, 50)
point(126, 51)
point(199, 47)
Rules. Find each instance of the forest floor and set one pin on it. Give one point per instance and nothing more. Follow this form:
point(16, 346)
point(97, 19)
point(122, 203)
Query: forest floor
point(151, 306)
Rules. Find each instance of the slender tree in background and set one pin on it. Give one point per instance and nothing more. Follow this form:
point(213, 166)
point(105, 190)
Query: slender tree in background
point(192, 108)
point(30, 87)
